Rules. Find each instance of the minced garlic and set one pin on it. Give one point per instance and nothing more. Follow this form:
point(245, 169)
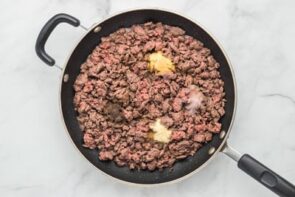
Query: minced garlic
point(160, 132)
point(160, 64)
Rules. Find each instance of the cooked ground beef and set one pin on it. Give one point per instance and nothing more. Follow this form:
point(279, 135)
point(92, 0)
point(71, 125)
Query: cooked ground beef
point(117, 98)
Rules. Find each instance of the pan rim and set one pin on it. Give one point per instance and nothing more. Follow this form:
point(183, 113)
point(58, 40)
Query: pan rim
point(220, 147)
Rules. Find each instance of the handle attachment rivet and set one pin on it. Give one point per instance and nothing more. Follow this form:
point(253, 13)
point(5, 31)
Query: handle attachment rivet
point(97, 29)
point(66, 77)
point(211, 150)
point(222, 134)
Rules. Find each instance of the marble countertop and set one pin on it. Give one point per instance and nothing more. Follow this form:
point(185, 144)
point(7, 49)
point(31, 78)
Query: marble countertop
point(38, 159)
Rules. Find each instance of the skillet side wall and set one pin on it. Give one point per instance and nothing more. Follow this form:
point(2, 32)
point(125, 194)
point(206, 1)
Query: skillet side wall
point(86, 46)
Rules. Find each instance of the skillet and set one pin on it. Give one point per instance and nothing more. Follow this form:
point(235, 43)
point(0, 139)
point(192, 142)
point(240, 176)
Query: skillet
point(181, 169)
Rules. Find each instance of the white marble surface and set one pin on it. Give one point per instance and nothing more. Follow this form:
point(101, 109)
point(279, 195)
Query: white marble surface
point(38, 159)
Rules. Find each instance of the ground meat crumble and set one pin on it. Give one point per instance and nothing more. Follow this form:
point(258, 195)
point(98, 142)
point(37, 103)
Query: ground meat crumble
point(117, 97)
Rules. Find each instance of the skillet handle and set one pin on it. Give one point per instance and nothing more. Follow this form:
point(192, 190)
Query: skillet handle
point(266, 176)
point(261, 173)
point(46, 31)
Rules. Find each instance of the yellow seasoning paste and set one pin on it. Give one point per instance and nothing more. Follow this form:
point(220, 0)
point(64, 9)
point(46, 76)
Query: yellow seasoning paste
point(160, 64)
point(160, 132)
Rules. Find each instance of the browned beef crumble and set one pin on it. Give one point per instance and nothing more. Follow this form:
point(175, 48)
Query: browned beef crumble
point(117, 97)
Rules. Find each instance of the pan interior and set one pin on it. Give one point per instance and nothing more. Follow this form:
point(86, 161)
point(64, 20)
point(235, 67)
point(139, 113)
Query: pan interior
point(85, 47)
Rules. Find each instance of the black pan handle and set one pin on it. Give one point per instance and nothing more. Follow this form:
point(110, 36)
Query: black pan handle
point(46, 31)
point(261, 173)
point(266, 176)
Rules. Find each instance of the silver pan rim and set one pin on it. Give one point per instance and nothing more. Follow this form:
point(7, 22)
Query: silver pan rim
point(219, 149)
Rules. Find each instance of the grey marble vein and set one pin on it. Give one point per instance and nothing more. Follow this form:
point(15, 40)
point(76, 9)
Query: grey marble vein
point(281, 96)
point(19, 188)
